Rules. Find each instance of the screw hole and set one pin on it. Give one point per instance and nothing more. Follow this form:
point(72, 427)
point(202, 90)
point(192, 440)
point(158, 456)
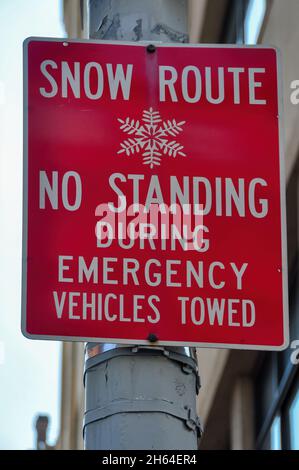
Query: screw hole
point(152, 338)
point(151, 48)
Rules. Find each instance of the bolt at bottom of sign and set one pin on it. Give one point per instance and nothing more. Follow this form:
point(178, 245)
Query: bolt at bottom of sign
point(152, 338)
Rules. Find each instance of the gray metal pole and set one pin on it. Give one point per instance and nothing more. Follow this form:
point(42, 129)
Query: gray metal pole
point(140, 397)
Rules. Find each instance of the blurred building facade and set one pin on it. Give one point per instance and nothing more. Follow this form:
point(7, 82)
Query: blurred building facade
point(248, 399)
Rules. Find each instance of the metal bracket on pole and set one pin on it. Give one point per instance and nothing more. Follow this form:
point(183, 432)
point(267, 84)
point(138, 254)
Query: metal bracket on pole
point(144, 406)
point(98, 353)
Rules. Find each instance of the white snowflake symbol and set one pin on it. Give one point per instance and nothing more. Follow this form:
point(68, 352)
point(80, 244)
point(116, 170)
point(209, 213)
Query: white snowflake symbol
point(152, 137)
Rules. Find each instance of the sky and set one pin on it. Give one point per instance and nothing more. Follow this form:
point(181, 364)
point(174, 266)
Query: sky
point(29, 370)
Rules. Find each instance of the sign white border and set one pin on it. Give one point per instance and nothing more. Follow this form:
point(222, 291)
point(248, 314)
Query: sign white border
point(282, 203)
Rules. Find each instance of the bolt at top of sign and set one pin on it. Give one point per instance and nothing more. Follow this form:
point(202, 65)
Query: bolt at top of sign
point(151, 137)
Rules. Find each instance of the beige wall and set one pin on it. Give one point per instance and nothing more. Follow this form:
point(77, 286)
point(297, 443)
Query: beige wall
point(211, 365)
point(242, 415)
point(72, 397)
point(75, 18)
point(196, 13)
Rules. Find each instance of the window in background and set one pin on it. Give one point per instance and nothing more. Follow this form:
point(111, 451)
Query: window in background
point(277, 378)
point(292, 412)
point(275, 434)
point(244, 21)
point(253, 22)
point(294, 421)
point(277, 396)
point(277, 419)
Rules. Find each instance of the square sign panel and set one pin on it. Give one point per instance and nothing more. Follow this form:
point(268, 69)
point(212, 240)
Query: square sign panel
point(154, 195)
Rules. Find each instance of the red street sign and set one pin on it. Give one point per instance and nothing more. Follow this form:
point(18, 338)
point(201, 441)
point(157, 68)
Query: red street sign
point(154, 195)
